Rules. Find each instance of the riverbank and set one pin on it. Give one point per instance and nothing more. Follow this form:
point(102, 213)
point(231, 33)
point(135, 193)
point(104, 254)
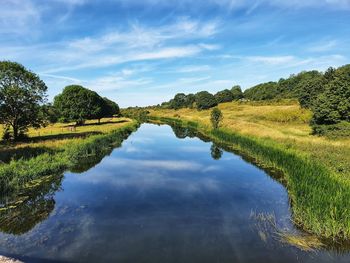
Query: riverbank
point(62, 147)
point(318, 188)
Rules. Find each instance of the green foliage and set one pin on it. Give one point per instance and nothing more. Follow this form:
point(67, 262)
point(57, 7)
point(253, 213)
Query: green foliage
point(179, 101)
point(205, 100)
point(49, 113)
point(264, 91)
point(78, 104)
point(224, 96)
point(21, 95)
point(341, 129)
point(311, 84)
point(216, 117)
point(237, 93)
point(109, 108)
point(333, 105)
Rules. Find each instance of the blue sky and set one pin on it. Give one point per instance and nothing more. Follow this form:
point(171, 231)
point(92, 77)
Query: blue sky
point(142, 52)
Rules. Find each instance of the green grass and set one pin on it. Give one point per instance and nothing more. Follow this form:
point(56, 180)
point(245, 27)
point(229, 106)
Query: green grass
point(319, 196)
point(18, 172)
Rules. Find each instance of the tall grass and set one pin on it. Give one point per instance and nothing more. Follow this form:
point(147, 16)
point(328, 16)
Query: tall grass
point(319, 198)
point(14, 175)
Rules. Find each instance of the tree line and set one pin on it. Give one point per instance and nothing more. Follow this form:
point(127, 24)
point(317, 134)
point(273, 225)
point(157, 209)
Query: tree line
point(23, 102)
point(326, 94)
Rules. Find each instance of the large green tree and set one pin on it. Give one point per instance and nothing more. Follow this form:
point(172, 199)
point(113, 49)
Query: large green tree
point(21, 95)
point(78, 104)
point(311, 84)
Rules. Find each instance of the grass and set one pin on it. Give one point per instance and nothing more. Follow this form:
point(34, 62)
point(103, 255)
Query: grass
point(316, 169)
point(59, 149)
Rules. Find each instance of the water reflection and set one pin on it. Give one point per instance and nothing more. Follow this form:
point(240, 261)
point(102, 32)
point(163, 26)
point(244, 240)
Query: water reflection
point(215, 152)
point(31, 207)
point(158, 199)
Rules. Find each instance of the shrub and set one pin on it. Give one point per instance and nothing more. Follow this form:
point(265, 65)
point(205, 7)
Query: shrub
point(216, 117)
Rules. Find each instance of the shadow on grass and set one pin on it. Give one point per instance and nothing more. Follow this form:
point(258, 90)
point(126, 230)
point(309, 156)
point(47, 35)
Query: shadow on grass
point(96, 123)
point(9, 152)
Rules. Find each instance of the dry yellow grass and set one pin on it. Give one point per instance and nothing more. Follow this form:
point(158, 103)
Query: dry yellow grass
point(286, 124)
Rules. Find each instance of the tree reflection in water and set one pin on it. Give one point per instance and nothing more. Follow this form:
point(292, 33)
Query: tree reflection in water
point(30, 207)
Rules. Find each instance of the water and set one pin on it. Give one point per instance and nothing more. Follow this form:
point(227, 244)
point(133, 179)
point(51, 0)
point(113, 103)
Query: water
point(158, 198)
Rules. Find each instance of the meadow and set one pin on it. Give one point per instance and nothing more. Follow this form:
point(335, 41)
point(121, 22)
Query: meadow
point(277, 135)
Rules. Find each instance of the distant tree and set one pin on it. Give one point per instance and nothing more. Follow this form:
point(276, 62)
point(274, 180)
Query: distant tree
point(190, 100)
point(179, 101)
point(333, 105)
point(237, 93)
point(264, 91)
point(205, 100)
point(224, 96)
point(78, 104)
point(21, 95)
point(49, 113)
point(216, 117)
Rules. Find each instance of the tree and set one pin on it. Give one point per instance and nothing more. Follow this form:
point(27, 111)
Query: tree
point(224, 96)
point(264, 91)
point(237, 93)
point(216, 117)
point(78, 104)
point(205, 100)
point(179, 101)
point(21, 94)
point(333, 105)
point(110, 108)
point(190, 100)
point(311, 84)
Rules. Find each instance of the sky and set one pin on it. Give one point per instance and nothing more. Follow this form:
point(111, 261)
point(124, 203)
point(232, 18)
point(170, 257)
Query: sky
point(143, 52)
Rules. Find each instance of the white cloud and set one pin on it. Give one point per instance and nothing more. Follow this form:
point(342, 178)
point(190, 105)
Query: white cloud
point(271, 60)
point(323, 46)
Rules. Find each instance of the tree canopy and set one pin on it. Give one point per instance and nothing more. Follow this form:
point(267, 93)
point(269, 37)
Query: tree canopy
point(21, 95)
point(205, 100)
point(79, 104)
point(224, 96)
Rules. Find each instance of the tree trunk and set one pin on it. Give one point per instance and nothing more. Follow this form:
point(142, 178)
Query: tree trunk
point(15, 132)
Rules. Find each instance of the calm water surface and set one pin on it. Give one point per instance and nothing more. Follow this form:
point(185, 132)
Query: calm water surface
point(158, 198)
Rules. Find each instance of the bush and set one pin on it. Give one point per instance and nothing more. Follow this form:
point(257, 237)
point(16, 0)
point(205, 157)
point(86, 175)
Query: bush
point(216, 117)
point(341, 129)
point(205, 100)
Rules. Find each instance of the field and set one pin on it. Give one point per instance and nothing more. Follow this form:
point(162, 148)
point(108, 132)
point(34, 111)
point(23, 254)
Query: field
point(316, 169)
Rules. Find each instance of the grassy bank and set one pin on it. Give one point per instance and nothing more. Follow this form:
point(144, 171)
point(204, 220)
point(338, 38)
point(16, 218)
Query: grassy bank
point(56, 152)
point(318, 189)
